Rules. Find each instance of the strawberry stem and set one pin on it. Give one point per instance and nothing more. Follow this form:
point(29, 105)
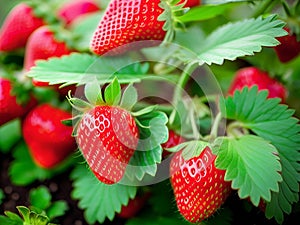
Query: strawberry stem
point(215, 127)
point(263, 7)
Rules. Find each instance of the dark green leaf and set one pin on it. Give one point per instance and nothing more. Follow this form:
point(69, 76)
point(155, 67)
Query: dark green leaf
point(2, 196)
point(275, 123)
point(98, 200)
point(40, 197)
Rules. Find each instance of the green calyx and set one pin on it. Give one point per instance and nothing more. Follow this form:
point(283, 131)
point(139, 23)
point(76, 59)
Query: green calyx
point(45, 10)
point(172, 11)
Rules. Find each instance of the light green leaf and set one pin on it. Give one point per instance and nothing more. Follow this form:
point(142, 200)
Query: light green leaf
point(57, 209)
point(204, 12)
point(251, 165)
point(82, 68)
point(112, 93)
point(153, 133)
point(239, 39)
point(98, 200)
point(40, 197)
point(129, 97)
point(275, 123)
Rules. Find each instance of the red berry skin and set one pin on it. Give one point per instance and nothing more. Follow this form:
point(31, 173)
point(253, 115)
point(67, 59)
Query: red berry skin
point(198, 186)
point(49, 141)
point(191, 3)
point(9, 108)
point(73, 9)
point(134, 206)
point(289, 47)
point(107, 137)
point(42, 45)
point(173, 140)
point(17, 27)
point(127, 21)
point(251, 76)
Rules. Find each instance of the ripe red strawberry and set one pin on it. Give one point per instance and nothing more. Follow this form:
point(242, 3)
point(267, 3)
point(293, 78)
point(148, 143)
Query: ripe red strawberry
point(107, 137)
point(134, 206)
point(250, 76)
point(198, 186)
point(191, 3)
point(173, 140)
point(17, 27)
point(73, 9)
point(43, 45)
point(48, 139)
point(289, 47)
point(127, 21)
point(9, 107)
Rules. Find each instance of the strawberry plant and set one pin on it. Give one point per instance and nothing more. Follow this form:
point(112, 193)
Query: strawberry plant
point(150, 112)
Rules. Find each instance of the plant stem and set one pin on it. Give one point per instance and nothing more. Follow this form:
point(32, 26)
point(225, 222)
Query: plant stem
point(182, 83)
point(263, 7)
point(215, 127)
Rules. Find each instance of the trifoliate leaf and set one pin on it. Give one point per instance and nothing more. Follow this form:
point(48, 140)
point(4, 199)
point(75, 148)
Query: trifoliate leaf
point(98, 200)
point(252, 166)
point(153, 132)
point(82, 68)
point(275, 123)
point(239, 39)
point(40, 197)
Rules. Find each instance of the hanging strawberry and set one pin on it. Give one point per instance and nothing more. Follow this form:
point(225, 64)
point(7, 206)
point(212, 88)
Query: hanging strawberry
point(198, 186)
point(107, 134)
point(127, 21)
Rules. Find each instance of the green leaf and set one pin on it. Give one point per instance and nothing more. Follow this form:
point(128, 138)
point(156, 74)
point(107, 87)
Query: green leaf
point(153, 132)
point(204, 12)
point(129, 98)
point(23, 171)
point(10, 133)
point(13, 216)
point(239, 39)
point(40, 197)
point(92, 92)
point(112, 93)
point(8, 221)
point(2, 196)
point(275, 123)
point(258, 166)
point(81, 68)
point(98, 200)
point(57, 209)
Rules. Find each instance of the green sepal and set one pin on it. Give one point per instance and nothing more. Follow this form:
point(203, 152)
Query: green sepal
point(45, 10)
point(112, 93)
point(92, 92)
point(13, 216)
point(129, 97)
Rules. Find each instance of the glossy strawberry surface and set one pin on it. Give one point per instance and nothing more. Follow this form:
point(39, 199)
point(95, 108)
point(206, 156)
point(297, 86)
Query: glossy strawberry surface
point(127, 21)
point(17, 27)
point(49, 141)
point(107, 137)
point(198, 186)
point(251, 76)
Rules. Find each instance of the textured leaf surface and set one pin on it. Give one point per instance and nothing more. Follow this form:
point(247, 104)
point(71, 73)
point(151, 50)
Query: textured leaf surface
point(251, 165)
point(98, 200)
point(81, 68)
point(275, 123)
point(239, 39)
